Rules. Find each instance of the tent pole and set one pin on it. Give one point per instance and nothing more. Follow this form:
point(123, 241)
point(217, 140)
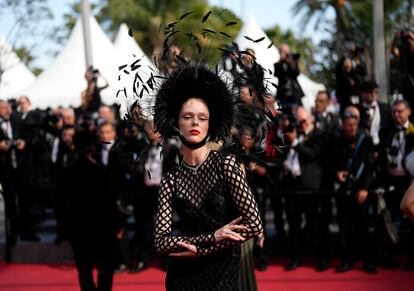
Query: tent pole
point(85, 11)
point(380, 70)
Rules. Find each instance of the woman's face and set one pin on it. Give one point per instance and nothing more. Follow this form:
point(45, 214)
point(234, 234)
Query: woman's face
point(193, 120)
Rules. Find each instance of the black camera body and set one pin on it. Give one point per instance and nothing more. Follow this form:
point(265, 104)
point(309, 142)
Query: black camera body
point(392, 154)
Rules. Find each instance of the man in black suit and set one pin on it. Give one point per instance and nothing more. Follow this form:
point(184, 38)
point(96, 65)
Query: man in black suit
point(65, 157)
point(112, 156)
point(375, 115)
point(325, 119)
point(302, 180)
point(90, 215)
point(353, 158)
point(397, 141)
point(34, 166)
point(12, 146)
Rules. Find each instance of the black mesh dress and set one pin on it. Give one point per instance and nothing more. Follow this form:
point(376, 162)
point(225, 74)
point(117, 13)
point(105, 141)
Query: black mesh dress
point(206, 198)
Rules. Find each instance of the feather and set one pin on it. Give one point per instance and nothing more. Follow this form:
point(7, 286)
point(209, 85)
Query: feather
point(130, 32)
point(135, 84)
point(192, 36)
point(248, 38)
point(139, 77)
point(134, 63)
point(172, 24)
point(225, 34)
point(150, 84)
point(259, 39)
point(121, 67)
point(270, 45)
point(231, 23)
point(208, 30)
point(206, 17)
point(224, 50)
point(121, 90)
point(185, 15)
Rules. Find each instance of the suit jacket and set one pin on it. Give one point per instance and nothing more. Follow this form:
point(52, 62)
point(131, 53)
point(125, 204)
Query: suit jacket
point(6, 157)
point(310, 152)
point(386, 138)
point(343, 150)
point(385, 115)
point(89, 211)
point(116, 168)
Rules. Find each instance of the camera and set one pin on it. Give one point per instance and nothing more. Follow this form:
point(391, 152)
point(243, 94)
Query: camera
point(289, 124)
point(392, 154)
point(95, 73)
point(295, 56)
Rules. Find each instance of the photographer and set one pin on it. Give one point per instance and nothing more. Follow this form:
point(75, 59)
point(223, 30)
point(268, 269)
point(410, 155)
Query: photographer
point(396, 142)
point(403, 48)
point(349, 72)
point(287, 70)
point(301, 181)
point(91, 97)
point(353, 162)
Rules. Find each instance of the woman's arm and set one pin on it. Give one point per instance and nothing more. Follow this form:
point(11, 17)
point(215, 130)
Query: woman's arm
point(407, 203)
point(246, 203)
point(164, 241)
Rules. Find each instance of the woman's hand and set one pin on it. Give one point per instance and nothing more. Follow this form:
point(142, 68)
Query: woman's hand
point(228, 231)
point(191, 250)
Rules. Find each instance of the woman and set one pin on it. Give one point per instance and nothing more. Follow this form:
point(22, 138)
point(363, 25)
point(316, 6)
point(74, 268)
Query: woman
point(207, 190)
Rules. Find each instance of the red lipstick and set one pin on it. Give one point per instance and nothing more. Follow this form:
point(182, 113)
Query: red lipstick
point(194, 132)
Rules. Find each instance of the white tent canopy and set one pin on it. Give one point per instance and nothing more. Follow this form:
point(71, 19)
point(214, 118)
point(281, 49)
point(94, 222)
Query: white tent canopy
point(129, 48)
point(61, 84)
point(15, 75)
point(267, 57)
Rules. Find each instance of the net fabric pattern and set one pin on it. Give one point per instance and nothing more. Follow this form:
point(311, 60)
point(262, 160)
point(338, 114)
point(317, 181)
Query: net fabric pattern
point(206, 198)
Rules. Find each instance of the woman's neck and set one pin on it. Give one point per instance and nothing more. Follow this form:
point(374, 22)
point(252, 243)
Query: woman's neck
point(194, 157)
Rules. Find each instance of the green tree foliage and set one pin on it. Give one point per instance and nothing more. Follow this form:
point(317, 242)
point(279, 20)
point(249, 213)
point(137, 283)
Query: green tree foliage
point(351, 23)
point(148, 20)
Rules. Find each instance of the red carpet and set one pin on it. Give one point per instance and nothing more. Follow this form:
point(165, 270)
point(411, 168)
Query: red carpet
point(27, 277)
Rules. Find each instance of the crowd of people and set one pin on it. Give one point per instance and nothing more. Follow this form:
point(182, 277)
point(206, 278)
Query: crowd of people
point(348, 168)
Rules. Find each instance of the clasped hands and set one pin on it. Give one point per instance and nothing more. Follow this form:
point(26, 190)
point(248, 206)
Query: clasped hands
point(226, 232)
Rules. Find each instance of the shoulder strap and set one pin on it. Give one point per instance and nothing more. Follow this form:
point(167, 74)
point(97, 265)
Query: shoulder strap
point(355, 151)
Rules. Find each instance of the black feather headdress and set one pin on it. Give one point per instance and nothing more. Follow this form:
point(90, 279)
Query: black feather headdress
point(197, 72)
point(194, 80)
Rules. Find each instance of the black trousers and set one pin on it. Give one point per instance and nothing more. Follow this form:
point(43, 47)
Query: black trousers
point(314, 207)
point(9, 182)
point(357, 228)
point(90, 253)
point(145, 207)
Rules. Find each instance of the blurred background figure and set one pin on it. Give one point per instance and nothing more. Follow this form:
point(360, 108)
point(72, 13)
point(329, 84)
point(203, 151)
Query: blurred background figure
point(287, 70)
